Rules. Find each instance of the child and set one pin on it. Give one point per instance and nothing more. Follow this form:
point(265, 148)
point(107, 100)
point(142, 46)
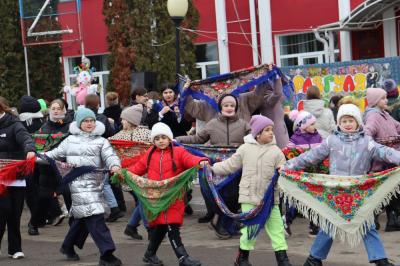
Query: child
point(379, 124)
point(131, 129)
point(350, 152)
point(163, 161)
point(85, 146)
point(258, 157)
point(305, 134)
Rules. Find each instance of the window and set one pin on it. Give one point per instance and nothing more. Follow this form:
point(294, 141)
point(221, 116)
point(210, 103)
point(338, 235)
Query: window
point(301, 49)
point(207, 59)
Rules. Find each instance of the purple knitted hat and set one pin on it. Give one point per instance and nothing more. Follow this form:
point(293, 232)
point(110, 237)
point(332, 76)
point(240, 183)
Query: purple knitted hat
point(258, 123)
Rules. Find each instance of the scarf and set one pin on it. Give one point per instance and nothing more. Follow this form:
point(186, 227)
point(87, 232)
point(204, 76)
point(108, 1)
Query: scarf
point(46, 142)
point(11, 170)
point(342, 206)
point(28, 117)
point(57, 119)
point(157, 196)
point(129, 152)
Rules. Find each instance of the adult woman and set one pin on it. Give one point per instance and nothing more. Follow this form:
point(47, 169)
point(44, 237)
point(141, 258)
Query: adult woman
point(15, 143)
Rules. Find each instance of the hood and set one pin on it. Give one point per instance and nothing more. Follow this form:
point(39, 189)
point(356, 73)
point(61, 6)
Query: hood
point(368, 111)
point(8, 120)
point(349, 137)
point(98, 131)
point(315, 106)
point(224, 118)
point(251, 140)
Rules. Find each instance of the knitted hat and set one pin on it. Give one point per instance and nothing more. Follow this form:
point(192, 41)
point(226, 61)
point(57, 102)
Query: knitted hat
point(258, 123)
point(374, 95)
point(83, 113)
point(228, 98)
point(302, 119)
point(350, 110)
point(160, 129)
point(133, 114)
point(28, 104)
point(390, 86)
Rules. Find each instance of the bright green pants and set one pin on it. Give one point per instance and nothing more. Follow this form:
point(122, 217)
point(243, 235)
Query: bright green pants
point(273, 227)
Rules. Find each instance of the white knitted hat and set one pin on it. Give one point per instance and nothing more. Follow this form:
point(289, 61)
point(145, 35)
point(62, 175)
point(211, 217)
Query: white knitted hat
point(161, 129)
point(350, 110)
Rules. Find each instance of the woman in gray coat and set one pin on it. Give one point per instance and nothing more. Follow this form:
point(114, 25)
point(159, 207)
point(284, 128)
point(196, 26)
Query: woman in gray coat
point(86, 147)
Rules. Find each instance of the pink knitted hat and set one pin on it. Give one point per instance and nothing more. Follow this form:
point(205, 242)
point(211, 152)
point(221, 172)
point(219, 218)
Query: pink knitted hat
point(258, 123)
point(302, 119)
point(374, 95)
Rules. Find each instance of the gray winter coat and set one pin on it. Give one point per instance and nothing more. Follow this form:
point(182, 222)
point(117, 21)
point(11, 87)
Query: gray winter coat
point(349, 154)
point(89, 149)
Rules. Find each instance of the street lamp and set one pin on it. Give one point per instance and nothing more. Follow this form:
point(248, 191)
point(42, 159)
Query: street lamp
point(177, 10)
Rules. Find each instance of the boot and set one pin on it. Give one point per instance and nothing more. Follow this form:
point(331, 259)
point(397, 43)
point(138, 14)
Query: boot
point(151, 258)
point(242, 258)
point(69, 253)
point(311, 261)
point(206, 218)
point(220, 231)
point(383, 262)
point(114, 215)
point(33, 230)
point(132, 231)
point(184, 258)
point(282, 258)
point(109, 260)
point(392, 222)
point(188, 210)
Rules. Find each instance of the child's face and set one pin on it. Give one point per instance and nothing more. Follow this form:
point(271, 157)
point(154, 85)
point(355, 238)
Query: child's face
point(168, 95)
point(266, 136)
point(348, 124)
point(382, 104)
point(162, 142)
point(310, 129)
point(141, 99)
point(126, 125)
point(228, 109)
point(88, 125)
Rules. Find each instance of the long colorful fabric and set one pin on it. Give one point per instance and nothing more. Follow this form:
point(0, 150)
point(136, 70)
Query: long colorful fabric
point(11, 170)
point(237, 82)
point(46, 142)
point(256, 217)
point(393, 142)
point(343, 206)
point(322, 168)
point(129, 151)
point(158, 196)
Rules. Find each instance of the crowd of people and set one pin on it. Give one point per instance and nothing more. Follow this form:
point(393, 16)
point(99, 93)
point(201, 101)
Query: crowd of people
point(254, 122)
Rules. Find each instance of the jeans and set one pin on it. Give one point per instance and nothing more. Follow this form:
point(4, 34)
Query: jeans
point(108, 194)
point(138, 215)
point(372, 242)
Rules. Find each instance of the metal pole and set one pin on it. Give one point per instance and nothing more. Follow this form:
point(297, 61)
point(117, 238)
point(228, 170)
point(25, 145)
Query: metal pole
point(28, 89)
point(177, 22)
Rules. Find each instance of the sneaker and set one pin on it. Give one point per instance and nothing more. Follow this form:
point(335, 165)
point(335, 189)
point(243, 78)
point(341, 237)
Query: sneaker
point(206, 218)
point(115, 215)
point(58, 220)
point(221, 233)
point(110, 260)
point(132, 232)
point(32, 230)
point(70, 254)
point(17, 255)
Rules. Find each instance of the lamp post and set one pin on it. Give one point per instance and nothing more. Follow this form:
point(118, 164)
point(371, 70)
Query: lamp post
point(177, 10)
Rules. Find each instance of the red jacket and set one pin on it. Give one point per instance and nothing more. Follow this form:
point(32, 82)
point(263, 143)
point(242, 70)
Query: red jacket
point(160, 168)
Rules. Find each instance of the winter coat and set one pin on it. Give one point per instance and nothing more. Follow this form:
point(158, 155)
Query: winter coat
point(249, 102)
point(325, 123)
point(394, 108)
point(15, 141)
point(141, 134)
point(109, 130)
point(304, 139)
point(114, 112)
point(349, 154)
point(160, 168)
point(48, 183)
point(379, 124)
point(258, 163)
point(272, 108)
point(220, 131)
point(89, 149)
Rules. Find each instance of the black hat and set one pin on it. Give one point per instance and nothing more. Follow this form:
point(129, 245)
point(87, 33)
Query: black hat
point(28, 104)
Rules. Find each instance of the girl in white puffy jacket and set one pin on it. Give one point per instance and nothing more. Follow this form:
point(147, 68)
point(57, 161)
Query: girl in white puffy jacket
point(86, 147)
point(258, 157)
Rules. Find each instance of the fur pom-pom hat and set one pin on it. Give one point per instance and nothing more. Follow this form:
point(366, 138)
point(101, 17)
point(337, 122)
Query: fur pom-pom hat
point(302, 119)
